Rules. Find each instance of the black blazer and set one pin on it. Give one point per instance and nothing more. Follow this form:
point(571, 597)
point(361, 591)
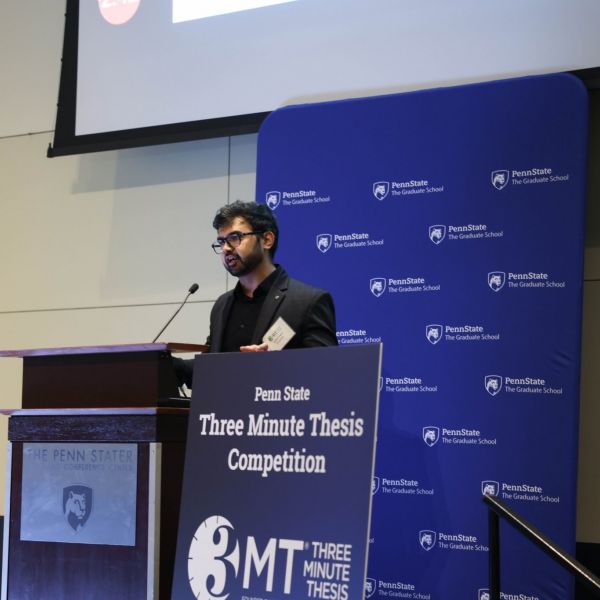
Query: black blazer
point(309, 311)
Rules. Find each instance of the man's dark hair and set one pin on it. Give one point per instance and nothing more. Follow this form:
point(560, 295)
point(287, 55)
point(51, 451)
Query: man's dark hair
point(259, 216)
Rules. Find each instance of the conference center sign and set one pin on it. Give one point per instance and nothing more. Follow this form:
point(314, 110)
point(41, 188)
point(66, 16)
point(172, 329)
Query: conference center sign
point(277, 485)
point(448, 225)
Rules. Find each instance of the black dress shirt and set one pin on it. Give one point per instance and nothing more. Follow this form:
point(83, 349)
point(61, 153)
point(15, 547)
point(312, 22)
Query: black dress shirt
point(244, 314)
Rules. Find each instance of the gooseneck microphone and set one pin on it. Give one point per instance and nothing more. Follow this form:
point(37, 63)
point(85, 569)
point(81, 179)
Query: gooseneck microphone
point(193, 289)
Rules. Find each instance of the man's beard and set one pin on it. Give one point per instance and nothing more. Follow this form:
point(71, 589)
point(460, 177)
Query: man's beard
point(245, 266)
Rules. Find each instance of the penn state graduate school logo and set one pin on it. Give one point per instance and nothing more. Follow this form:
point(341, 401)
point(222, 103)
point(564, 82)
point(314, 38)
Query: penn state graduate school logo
point(427, 539)
point(272, 199)
point(500, 179)
point(433, 333)
point(493, 384)
point(375, 485)
point(370, 587)
point(77, 505)
point(324, 242)
point(431, 435)
point(381, 189)
point(483, 594)
point(437, 233)
point(377, 286)
point(496, 280)
point(490, 488)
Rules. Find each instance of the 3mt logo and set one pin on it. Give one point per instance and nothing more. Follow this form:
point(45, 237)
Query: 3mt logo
point(214, 560)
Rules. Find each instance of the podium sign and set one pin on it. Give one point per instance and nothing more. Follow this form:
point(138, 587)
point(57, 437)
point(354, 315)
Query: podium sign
point(277, 483)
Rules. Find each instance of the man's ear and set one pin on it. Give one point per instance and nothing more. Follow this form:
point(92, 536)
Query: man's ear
point(268, 239)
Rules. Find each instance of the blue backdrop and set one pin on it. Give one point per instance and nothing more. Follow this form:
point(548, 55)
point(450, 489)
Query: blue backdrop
point(448, 224)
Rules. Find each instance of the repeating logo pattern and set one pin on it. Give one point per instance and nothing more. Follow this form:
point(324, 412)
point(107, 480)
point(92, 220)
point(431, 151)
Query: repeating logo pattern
point(324, 242)
point(500, 179)
point(433, 333)
point(437, 233)
point(490, 488)
point(427, 539)
point(431, 435)
point(496, 280)
point(381, 189)
point(493, 384)
point(377, 286)
point(273, 199)
point(370, 587)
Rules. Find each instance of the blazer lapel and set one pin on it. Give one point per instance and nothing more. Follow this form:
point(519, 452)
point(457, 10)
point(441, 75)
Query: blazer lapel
point(272, 302)
point(216, 340)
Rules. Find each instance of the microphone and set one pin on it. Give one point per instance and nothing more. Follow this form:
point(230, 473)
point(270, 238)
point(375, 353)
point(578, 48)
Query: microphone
point(193, 289)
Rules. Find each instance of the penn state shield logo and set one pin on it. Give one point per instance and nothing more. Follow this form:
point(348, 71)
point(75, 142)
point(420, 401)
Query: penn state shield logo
point(431, 435)
point(324, 242)
point(433, 333)
point(490, 488)
point(380, 383)
point(377, 286)
point(370, 587)
point(273, 199)
point(496, 280)
point(493, 384)
point(483, 594)
point(77, 505)
point(375, 485)
point(500, 179)
point(427, 539)
point(437, 233)
point(381, 189)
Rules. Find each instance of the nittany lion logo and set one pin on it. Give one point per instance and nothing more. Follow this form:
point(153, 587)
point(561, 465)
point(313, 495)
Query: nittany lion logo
point(433, 333)
point(381, 189)
point(490, 488)
point(273, 199)
point(431, 435)
point(214, 555)
point(493, 384)
point(324, 242)
point(377, 286)
point(500, 179)
point(437, 233)
point(496, 280)
point(370, 587)
point(77, 505)
point(427, 539)
point(375, 485)
point(483, 594)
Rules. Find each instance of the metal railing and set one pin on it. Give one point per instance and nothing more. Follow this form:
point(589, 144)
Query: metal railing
point(497, 509)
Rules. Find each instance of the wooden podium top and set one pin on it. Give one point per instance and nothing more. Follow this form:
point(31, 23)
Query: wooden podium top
point(127, 375)
point(160, 347)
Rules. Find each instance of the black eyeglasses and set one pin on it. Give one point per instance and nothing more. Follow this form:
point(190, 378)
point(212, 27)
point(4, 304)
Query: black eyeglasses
point(233, 240)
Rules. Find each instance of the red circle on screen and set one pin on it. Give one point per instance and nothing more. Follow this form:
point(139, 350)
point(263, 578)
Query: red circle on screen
point(117, 12)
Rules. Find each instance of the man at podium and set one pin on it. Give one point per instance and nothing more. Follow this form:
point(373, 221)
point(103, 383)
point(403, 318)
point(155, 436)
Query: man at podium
point(267, 309)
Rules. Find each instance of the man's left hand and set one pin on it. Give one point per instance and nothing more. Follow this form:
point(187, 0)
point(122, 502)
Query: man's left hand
point(255, 348)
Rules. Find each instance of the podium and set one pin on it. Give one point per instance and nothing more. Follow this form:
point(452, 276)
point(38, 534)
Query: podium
point(94, 471)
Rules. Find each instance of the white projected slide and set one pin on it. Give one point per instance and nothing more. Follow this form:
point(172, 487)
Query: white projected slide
point(191, 10)
point(137, 68)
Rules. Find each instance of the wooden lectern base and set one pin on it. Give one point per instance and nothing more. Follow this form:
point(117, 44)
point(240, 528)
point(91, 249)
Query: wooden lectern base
point(44, 570)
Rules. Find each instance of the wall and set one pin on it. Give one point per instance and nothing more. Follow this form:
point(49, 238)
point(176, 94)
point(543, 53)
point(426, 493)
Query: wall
point(100, 248)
